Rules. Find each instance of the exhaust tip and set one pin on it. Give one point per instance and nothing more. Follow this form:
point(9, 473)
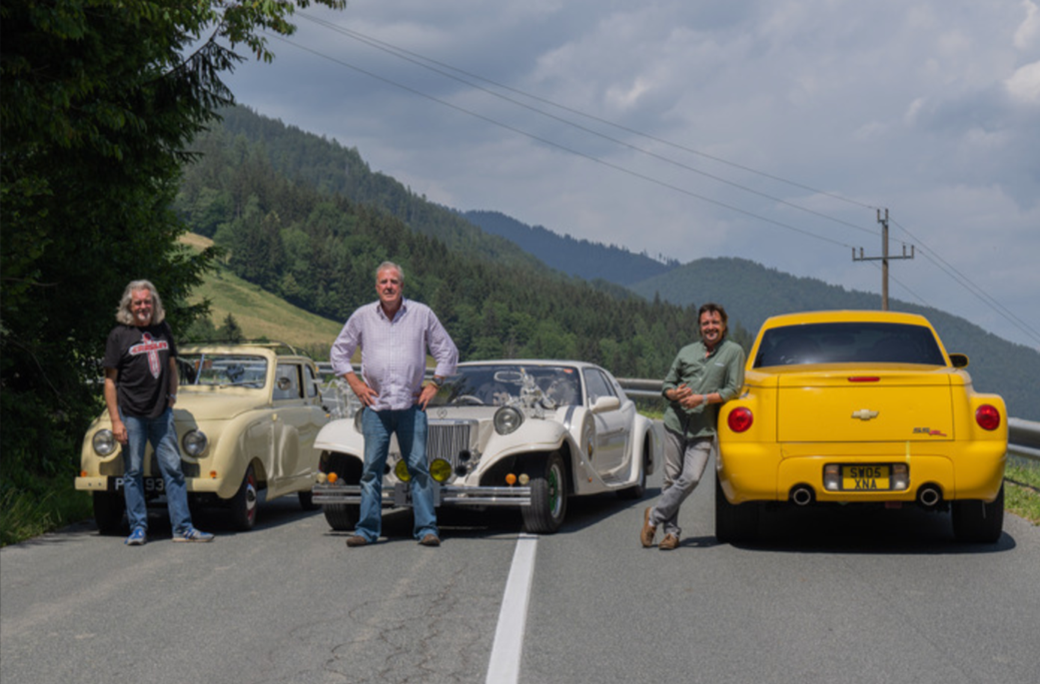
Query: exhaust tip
point(929, 496)
point(802, 495)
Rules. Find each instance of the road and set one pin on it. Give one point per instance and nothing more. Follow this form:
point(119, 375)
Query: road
point(839, 596)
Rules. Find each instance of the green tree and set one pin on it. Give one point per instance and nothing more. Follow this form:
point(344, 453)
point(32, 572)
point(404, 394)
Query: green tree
point(99, 100)
point(231, 331)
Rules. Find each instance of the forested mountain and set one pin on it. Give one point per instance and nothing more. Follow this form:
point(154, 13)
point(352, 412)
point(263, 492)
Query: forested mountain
point(751, 293)
point(582, 258)
point(307, 219)
point(313, 240)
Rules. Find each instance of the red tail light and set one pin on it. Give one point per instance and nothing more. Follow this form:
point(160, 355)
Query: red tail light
point(988, 417)
point(740, 419)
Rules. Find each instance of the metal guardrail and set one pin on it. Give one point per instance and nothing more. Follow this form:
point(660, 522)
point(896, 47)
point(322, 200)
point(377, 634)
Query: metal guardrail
point(1023, 435)
point(1024, 438)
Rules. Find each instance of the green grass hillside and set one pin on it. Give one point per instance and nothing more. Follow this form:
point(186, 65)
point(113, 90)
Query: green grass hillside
point(259, 313)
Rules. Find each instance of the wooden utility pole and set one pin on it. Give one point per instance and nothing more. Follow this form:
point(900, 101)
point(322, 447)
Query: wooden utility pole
point(884, 257)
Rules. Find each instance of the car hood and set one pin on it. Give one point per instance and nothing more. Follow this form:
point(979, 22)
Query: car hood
point(221, 404)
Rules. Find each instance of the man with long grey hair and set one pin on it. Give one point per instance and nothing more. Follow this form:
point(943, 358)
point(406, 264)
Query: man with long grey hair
point(140, 391)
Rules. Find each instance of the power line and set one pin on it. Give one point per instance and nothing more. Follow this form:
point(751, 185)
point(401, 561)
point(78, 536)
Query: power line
point(406, 55)
point(564, 148)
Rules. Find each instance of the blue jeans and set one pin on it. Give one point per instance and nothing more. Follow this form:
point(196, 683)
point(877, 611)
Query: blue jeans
point(162, 435)
point(410, 427)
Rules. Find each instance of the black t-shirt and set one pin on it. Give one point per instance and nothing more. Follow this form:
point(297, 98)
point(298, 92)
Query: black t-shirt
point(142, 358)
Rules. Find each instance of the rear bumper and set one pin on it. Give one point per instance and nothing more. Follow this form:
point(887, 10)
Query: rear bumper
point(399, 495)
point(769, 472)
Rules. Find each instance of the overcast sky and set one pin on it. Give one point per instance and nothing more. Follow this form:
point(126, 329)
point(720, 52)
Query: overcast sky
point(772, 130)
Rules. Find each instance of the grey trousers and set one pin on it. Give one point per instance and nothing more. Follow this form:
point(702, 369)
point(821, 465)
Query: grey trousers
point(684, 464)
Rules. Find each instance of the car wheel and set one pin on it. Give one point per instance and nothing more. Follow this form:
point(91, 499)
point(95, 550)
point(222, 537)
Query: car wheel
point(548, 497)
point(307, 501)
point(108, 512)
point(979, 522)
point(243, 503)
point(342, 517)
point(638, 490)
point(734, 522)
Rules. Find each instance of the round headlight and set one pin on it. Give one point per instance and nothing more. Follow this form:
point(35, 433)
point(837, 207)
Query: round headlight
point(195, 443)
point(357, 420)
point(104, 442)
point(507, 420)
point(440, 470)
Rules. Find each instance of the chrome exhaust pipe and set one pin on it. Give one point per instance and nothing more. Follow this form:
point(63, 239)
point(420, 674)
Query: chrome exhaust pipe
point(802, 496)
point(929, 496)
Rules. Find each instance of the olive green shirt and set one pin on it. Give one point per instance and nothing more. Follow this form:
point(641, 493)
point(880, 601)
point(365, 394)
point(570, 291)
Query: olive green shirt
point(721, 371)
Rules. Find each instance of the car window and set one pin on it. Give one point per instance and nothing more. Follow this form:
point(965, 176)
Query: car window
point(851, 342)
point(311, 383)
point(223, 370)
point(287, 381)
point(597, 385)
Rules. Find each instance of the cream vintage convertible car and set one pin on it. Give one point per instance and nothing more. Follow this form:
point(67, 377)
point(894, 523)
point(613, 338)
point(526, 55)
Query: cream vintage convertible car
point(246, 416)
point(860, 407)
point(528, 434)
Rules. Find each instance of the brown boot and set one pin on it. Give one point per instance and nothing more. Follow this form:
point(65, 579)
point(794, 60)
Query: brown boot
point(669, 542)
point(647, 534)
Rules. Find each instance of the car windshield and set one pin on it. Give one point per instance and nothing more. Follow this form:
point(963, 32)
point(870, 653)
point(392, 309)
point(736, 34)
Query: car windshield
point(504, 384)
point(855, 342)
point(222, 370)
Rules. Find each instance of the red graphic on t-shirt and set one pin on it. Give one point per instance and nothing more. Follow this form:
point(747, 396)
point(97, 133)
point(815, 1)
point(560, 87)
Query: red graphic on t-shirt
point(151, 347)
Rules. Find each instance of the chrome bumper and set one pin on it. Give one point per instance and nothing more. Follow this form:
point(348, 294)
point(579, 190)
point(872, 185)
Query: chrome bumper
point(443, 495)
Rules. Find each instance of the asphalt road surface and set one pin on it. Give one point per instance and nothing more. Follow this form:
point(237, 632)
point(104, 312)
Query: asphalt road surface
point(837, 596)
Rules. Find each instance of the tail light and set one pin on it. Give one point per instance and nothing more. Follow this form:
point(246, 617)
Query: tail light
point(740, 419)
point(988, 417)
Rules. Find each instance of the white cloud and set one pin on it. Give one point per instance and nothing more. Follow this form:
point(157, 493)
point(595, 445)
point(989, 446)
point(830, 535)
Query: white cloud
point(927, 108)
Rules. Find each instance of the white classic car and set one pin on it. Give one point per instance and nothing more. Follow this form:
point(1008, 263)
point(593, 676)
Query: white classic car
point(518, 433)
point(246, 418)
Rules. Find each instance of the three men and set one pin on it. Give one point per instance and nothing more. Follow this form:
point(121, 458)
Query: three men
point(704, 374)
point(394, 335)
point(140, 391)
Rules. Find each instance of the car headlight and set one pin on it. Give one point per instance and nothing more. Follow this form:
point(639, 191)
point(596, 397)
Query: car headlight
point(357, 420)
point(507, 420)
point(195, 443)
point(104, 442)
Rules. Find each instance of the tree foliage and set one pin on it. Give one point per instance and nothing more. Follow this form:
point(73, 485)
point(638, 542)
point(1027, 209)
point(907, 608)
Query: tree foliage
point(303, 236)
point(99, 99)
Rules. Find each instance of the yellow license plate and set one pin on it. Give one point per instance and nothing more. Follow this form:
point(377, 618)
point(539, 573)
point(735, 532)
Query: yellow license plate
point(865, 478)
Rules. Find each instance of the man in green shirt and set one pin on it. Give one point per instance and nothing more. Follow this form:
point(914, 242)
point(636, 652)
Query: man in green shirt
point(703, 375)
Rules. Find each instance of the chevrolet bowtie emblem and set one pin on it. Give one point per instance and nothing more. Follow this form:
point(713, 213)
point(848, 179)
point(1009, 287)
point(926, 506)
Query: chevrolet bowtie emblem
point(865, 414)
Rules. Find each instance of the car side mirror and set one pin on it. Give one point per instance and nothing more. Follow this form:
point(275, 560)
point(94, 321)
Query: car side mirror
point(959, 360)
point(606, 404)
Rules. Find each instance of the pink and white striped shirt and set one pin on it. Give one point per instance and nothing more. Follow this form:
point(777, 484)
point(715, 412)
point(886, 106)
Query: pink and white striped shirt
point(393, 352)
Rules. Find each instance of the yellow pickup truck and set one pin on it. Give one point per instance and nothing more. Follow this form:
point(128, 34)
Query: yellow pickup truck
point(859, 407)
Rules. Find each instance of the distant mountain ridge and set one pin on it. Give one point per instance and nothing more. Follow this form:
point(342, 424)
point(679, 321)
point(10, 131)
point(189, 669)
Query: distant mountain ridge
point(750, 292)
point(582, 258)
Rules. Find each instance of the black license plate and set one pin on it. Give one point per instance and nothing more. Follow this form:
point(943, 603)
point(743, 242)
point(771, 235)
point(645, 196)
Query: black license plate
point(152, 485)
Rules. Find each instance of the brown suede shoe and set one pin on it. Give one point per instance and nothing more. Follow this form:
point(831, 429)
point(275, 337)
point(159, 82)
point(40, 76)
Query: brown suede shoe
point(647, 534)
point(669, 542)
point(356, 540)
point(430, 540)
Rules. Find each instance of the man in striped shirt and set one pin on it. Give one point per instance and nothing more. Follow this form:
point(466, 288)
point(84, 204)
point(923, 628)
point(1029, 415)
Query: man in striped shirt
point(394, 334)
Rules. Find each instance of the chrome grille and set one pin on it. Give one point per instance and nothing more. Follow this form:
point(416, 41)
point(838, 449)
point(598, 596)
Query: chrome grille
point(446, 439)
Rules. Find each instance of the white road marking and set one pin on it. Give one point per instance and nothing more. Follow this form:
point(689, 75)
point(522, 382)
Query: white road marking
point(504, 667)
